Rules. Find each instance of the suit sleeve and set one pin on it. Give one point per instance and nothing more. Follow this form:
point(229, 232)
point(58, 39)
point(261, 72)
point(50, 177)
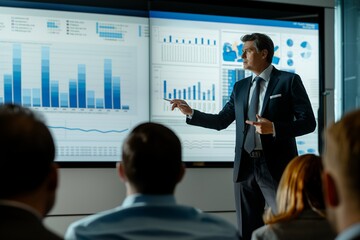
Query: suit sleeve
point(303, 121)
point(215, 121)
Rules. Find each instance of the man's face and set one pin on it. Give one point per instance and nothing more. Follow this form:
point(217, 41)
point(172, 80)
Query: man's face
point(252, 59)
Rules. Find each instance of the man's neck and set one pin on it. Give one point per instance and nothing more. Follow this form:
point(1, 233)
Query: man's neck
point(260, 69)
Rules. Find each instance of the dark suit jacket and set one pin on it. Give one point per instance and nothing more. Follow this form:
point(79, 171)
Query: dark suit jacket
point(290, 112)
point(20, 224)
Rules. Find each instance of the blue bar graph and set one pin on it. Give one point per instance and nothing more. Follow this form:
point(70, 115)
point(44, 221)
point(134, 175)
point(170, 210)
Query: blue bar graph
point(184, 40)
point(48, 94)
point(185, 93)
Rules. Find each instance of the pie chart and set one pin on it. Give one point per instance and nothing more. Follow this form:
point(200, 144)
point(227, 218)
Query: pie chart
point(306, 49)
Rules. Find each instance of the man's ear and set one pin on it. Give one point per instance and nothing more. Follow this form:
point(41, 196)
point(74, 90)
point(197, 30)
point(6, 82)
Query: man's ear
point(264, 53)
point(330, 191)
point(182, 173)
point(53, 179)
point(121, 171)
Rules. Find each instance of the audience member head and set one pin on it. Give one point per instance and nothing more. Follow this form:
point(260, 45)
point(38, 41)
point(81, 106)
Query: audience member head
point(261, 42)
point(28, 173)
point(300, 188)
point(341, 178)
point(151, 160)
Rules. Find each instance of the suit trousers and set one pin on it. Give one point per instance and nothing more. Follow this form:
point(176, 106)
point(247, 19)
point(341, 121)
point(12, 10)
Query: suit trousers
point(253, 194)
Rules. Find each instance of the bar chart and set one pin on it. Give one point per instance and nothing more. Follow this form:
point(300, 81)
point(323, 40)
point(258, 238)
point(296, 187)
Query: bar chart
point(184, 46)
point(198, 87)
point(91, 84)
point(193, 92)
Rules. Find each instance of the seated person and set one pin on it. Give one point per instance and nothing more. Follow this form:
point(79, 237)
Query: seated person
point(341, 178)
point(28, 174)
point(300, 204)
point(151, 167)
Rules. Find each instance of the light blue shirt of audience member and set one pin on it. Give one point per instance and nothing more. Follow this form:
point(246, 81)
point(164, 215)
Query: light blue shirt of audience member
point(353, 232)
point(147, 217)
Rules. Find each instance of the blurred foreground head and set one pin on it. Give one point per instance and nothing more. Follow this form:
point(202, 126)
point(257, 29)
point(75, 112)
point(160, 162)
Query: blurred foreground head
point(152, 160)
point(341, 178)
point(27, 154)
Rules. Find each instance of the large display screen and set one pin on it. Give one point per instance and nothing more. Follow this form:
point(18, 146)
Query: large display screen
point(87, 73)
point(96, 70)
point(197, 57)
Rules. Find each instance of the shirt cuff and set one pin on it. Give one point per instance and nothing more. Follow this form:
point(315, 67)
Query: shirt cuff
point(274, 132)
point(191, 115)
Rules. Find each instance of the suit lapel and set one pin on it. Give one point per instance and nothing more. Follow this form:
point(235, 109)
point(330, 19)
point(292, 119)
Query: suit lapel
point(272, 83)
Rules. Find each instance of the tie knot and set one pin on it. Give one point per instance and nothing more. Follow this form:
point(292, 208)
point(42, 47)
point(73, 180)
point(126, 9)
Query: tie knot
point(258, 79)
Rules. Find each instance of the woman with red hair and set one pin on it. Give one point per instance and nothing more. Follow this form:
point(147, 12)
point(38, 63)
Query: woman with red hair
point(300, 210)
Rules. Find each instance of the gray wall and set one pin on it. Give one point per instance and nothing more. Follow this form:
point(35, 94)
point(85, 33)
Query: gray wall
point(86, 191)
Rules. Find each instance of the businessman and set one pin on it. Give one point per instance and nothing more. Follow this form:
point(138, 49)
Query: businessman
point(270, 108)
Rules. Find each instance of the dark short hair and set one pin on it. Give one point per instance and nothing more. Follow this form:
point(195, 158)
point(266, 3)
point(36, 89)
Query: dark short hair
point(151, 156)
point(261, 42)
point(27, 150)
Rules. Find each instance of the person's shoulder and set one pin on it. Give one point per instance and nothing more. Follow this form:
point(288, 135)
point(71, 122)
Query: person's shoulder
point(219, 226)
point(216, 220)
point(91, 222)
point(242, 82)
point(264, 233)
point(284, 73)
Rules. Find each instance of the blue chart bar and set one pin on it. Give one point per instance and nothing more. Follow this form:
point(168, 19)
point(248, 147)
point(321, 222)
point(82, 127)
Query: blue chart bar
point(82, 85)
point(54, 86)
point(116, 96)
point(190, 93)
point(17, 73)
point(73, 93)
point(8, 86)
point(107, 83)
point(90, 99)
point(45, 76)
point(27, 97)
point(64, 100)
point(49, 94)
point(36, 97)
